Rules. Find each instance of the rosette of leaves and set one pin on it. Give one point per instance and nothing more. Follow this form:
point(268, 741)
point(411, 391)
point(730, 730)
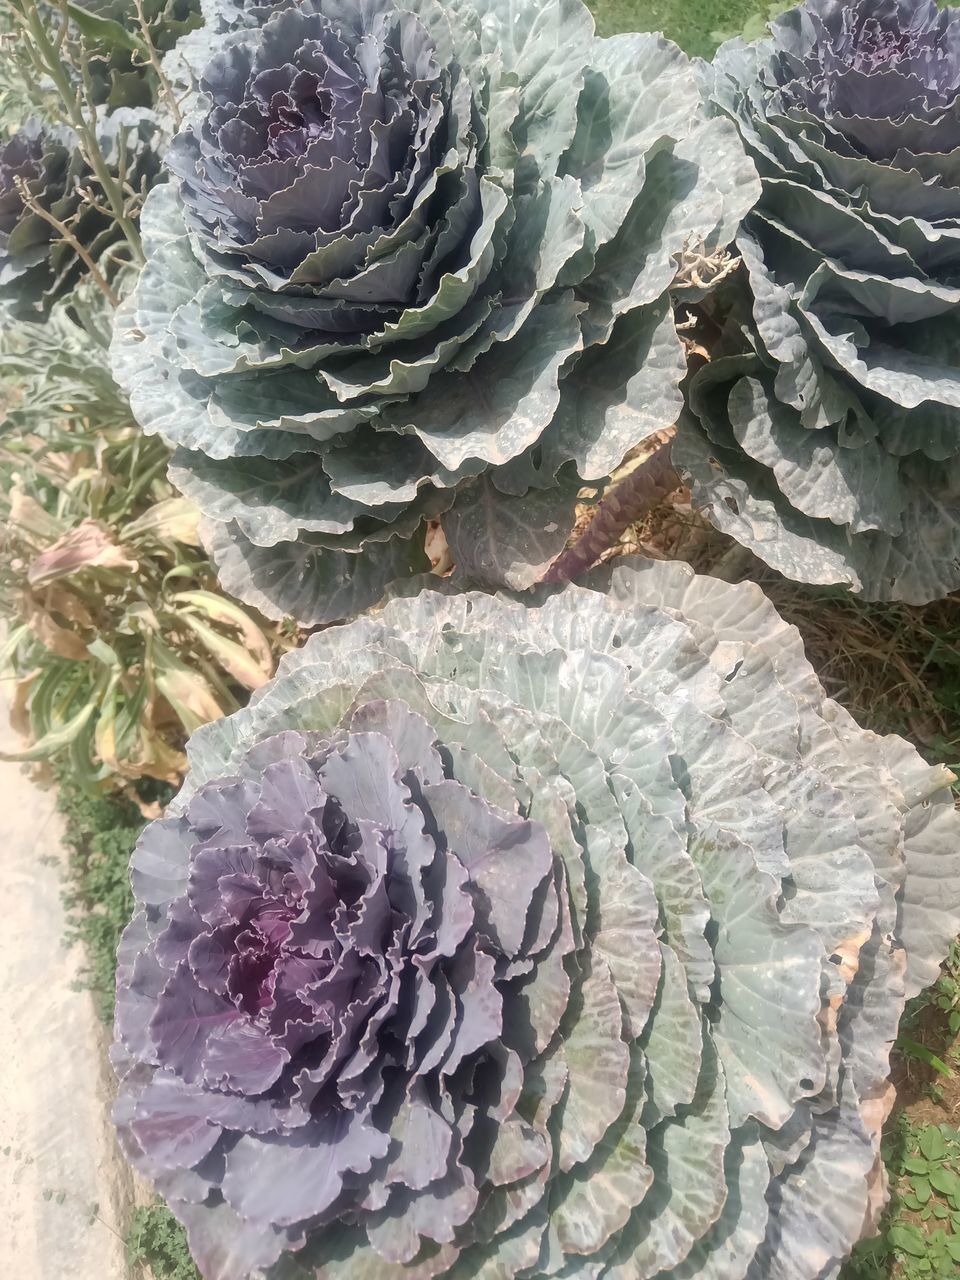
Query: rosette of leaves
point(556, 941)
point(54, 229)
point(415, 261)
point(184, 62)
point(827, 436)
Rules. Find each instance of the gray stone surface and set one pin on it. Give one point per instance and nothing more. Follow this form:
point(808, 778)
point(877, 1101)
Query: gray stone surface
point(64, 1190)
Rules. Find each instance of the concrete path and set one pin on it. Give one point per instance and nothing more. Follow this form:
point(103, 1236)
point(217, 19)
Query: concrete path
point(64, 1189)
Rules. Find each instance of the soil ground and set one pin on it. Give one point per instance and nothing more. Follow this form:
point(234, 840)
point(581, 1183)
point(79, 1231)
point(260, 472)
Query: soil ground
point(65, 1191)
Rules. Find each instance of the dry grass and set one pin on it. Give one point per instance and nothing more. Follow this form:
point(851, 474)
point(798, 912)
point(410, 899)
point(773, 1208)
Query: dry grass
point(896, 668)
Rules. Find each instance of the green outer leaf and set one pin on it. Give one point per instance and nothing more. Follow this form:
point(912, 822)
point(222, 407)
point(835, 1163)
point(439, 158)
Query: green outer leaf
point(620, 393)
point(684, 203)
point(762, 964)
point(932, 882)
point(689, 1187)
point(599, 1197)
point(673, 1043)
point(821, 1204)
point(502, 540)
point(546, 44)
point(724, 1253)
point(502, 405)
point(637, 91)
point(314, 584)
point(858, 487)
point(598, 1061)
point(267, 499)
point(741, 500)
point(105, 31)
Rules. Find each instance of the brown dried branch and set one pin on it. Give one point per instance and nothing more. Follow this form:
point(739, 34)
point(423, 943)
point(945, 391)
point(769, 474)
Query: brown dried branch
point(165, 87)
point(701, 270)
point(65, 234)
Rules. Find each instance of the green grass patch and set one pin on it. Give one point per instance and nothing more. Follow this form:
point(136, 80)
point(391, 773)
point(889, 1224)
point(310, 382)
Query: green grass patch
point(920, 1232)
point(697, 26)
point(99, 832)
point(921, 1239)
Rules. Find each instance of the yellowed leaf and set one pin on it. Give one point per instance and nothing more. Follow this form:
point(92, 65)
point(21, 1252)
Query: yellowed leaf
point(226, 613)
point(437, 551)
point(173, 518)
point(88, 546)
point(19, 707)
point(190, 695)
point(232, 657)
point(161, 761)
point(28, 517)
point(104, 734)
point(59, 640)
point(57, 599)
point(150, 809)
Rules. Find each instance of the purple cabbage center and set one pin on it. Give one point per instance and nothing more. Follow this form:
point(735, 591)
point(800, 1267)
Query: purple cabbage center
point(878, 60)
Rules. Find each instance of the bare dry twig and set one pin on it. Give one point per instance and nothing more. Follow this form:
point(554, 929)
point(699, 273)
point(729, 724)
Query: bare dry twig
point(64, 232)
point(165, 86)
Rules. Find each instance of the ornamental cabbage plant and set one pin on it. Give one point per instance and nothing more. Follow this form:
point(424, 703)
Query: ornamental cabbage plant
point(558, 941)
point(827, 437)
point(414, 261)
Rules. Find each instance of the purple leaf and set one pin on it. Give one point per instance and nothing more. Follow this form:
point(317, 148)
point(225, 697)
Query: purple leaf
point(159, 865)
point(218, 811)
point(184, 1018)
point(506, 857)
point(285, 1180)
point(225, 1245)
point(289, 797)
point(206, 870)
point(243, 1059)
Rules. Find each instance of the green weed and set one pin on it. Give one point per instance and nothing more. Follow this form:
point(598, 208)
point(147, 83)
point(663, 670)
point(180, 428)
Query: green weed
point(156, 1241)
point(100, 833)
point(921, 1236)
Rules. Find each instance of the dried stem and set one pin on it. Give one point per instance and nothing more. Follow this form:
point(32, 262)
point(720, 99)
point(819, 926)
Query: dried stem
point(624, 504)
point(64, 232)
point(46, 56)
point(165, 86)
